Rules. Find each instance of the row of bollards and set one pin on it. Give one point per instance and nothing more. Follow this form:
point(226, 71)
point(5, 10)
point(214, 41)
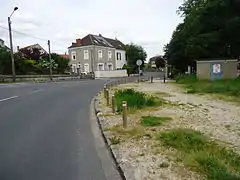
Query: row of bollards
point(110, 100)
point(113, 105)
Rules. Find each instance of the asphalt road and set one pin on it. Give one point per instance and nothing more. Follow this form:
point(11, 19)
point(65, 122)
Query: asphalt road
point(45, 133)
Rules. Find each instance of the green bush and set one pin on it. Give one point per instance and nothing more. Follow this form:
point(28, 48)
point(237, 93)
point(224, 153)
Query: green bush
point(215, 161)
point(134, 99)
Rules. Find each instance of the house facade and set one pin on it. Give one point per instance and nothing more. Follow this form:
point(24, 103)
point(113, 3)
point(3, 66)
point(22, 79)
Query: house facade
point(96, 53)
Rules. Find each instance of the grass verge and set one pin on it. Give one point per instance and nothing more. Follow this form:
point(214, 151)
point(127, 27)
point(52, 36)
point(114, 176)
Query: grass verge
point(150, 121)
point(135, 99)
point(229, 87)
point(202, 155)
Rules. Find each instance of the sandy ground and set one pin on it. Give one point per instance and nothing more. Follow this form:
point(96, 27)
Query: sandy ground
point(142, 157)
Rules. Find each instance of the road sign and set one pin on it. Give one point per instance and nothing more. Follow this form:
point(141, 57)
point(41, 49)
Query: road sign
point(139, 62)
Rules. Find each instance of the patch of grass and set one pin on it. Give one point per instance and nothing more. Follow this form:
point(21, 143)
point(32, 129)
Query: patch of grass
point(229, 87)
point(114, 140)
point(119, 130)
point(135, 99)
point(202, 155)
point(150, 121)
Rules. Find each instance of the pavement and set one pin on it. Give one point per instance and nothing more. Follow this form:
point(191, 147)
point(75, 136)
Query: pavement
point(45, 132)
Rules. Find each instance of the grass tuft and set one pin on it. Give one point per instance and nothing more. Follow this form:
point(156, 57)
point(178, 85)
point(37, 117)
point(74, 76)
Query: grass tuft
point(229, 87)
point(150, 121)
point(202, 155)
point(135, 99)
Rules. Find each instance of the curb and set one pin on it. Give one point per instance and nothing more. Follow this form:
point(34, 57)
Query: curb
point(117, 165)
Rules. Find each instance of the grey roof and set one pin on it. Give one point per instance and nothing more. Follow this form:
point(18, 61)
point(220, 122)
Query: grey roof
point(99, 40)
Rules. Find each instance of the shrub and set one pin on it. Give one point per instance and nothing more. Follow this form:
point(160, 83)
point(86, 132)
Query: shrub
point(134, 99)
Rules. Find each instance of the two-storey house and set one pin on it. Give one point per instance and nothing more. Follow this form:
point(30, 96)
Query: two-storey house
point(96, 53)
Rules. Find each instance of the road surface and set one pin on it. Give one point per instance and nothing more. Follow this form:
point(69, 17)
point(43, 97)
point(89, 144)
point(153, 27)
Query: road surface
point(45, 133)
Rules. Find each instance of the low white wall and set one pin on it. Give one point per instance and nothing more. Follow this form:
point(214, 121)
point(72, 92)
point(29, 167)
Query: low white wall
point(109, 74)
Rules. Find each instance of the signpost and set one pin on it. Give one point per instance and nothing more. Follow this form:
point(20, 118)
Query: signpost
point(139, 63)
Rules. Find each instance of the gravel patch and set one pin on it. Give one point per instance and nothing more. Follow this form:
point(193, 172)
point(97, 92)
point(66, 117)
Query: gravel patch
point(142, 157)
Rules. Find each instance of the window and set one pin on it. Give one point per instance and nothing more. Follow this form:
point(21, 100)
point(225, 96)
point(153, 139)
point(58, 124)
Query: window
point(86, 55)
point(109, 55)
point(100, 66)
point(99, 54)
point(74, 68)
point(86, 68)
point(73, 55)
point(110, 67)
point(119, 56)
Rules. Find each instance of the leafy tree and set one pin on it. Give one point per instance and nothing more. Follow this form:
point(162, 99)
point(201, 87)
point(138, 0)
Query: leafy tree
point(134, 52)
point(210, 30)
point(62, 63)
point(5, 61)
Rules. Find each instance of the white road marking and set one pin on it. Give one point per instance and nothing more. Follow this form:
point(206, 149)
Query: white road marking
point(1, 100)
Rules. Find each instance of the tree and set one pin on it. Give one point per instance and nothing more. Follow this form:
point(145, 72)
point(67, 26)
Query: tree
point(62, 63)
point(134, 52)
point(209, 30)
point(5, 61)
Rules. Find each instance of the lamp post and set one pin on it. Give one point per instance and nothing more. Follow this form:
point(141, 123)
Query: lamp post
point(11, 44)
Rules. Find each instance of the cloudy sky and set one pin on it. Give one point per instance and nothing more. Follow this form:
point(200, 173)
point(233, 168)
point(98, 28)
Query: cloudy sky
point(149, 23)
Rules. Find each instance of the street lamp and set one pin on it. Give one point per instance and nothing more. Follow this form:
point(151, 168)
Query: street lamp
point(11, 44)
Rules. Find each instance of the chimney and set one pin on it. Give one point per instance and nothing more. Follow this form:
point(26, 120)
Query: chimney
point(18, 48)
point(78, 41)
point(100, 35)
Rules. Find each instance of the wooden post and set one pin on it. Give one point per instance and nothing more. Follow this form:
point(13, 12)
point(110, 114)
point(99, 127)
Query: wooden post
point(105, 91)
point(113, 105)
point(164, 78)
point(124, 114)
point(107, 97)
point(151, 79)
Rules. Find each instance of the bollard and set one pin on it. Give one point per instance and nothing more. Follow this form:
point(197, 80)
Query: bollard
point(164, 79)
point(151, 79)
point(105, 91)
point(113, 105)
point(107, 97)
point(124, 114)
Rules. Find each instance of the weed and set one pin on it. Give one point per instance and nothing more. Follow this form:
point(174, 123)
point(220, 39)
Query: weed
point(135, 99)
point(134, 132)
point(114, 140)
point(151, 121)
point(163, 165)
point(205, 156)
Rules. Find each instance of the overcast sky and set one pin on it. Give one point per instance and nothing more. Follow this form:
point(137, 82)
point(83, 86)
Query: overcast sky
point(149, 23)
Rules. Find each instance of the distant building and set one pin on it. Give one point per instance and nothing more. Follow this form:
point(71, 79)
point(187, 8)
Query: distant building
point(65, 56)
point(34, 46)
point(96, 53)
point(217, 69)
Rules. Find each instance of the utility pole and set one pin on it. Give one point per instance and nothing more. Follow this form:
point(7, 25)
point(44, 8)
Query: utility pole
point(11, 44)
point(50, 59)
